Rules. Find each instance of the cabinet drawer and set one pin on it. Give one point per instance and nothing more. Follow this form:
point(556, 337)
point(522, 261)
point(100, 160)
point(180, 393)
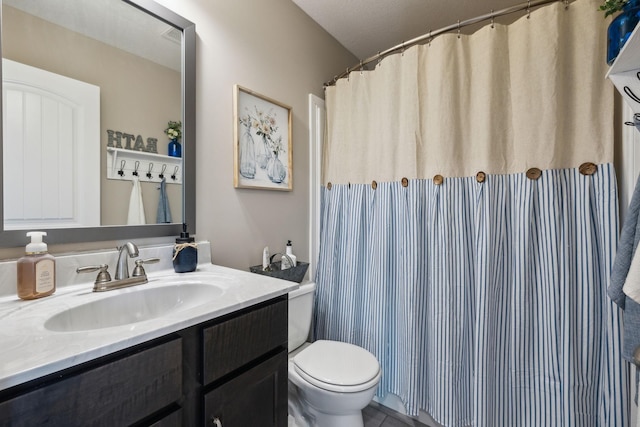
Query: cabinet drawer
point(257, 397)
point(239, 340)
point(116, 393)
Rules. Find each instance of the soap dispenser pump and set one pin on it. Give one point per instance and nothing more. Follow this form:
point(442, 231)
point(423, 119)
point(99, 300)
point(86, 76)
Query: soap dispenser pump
point(36, 269)
point(185, 253)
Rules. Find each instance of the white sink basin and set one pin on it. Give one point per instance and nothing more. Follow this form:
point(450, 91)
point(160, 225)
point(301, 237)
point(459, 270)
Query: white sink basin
point(133, 305)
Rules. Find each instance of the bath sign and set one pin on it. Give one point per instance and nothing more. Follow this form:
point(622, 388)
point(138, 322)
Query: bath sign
point(117, 139)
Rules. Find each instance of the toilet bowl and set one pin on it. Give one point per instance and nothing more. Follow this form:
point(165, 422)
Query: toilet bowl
point(330, 382)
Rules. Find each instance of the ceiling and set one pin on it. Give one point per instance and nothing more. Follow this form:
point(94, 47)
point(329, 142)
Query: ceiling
point(115, 23)
point(366, 27)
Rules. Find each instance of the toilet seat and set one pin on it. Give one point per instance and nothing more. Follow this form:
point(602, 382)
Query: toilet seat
point(337, 366)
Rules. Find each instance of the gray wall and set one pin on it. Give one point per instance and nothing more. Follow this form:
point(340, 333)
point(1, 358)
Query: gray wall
point(275, 49)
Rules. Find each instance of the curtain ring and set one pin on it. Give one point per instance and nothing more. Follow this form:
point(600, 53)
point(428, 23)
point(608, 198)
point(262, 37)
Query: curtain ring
point(588, 168)
point(361, 67)
point(458, 28)
point(402, 49)
point(528, 9)
point(493, 19)
point(347, 73)
point(533, 174)
point(430, 38)
point(566, 4)
point(379, 59)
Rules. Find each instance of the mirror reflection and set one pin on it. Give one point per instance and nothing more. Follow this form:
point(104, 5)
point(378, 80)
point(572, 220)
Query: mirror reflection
point(89, 89)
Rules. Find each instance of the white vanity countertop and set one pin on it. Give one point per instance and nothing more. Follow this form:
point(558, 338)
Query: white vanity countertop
point(30, 351)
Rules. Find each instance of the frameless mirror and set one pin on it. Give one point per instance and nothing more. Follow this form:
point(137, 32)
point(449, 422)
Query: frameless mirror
point(89, 88)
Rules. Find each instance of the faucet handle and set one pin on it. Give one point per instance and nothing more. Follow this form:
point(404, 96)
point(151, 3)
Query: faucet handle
point(103, 274)
point(138, 271)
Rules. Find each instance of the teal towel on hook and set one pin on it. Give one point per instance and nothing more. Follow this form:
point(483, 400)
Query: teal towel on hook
point(164, 212)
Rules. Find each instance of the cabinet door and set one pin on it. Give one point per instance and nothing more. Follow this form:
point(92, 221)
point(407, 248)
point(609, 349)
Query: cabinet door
point(116, 393)
point(257, 397)
point(238, 341)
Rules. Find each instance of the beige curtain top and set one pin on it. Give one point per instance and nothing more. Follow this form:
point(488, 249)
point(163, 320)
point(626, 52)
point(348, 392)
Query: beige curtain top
point(502, 100)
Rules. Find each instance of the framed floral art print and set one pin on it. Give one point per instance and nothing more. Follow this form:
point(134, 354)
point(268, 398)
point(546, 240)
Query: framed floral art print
point(262, 152)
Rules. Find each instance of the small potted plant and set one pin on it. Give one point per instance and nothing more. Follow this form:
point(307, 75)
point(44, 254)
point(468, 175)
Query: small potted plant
point(612, 6)
point(174, 132)
point(622, 26)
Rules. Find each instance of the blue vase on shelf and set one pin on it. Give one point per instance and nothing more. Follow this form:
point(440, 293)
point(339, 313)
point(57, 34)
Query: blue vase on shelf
point(621, 28)
point(174, 149)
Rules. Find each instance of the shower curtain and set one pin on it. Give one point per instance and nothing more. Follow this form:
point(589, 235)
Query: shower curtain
point(469, 222)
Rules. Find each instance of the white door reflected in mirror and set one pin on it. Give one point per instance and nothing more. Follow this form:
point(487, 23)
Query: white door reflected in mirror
point(52, 144)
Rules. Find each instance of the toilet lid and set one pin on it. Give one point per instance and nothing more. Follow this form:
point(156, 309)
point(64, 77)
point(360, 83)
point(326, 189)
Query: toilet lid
point(336, 363)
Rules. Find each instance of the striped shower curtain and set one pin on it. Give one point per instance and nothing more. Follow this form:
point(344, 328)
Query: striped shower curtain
point(469, 222)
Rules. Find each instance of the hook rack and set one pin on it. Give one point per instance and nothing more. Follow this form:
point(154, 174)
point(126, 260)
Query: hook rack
point(123, 165)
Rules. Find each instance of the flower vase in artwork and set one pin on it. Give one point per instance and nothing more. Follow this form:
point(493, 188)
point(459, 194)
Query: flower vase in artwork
point(621, 28)
point(276, 170)
point(174, 149)
point(263, 153)
point(247, 154)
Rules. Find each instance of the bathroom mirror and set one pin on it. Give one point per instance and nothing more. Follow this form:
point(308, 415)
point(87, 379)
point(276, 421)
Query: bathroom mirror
point(155, 47)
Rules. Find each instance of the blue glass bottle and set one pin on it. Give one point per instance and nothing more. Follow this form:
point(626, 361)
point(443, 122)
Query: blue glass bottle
point(621, 28)
point(174, 149)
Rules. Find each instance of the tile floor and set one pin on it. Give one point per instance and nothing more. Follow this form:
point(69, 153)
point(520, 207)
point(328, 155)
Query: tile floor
point(376, 415)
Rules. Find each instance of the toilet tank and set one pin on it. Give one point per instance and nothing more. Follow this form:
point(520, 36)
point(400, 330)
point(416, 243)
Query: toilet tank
point(300, 311)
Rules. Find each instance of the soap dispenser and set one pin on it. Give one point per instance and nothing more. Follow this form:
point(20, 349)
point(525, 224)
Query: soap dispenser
point(36, 270)
point(185, 253)
point(288, 260)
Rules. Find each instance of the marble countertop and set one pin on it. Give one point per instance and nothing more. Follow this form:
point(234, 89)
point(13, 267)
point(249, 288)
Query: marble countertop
point(30, 351)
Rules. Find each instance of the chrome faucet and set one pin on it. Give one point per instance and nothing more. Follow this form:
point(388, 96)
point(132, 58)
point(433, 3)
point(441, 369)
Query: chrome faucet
point(122, 267)
point(122, 280)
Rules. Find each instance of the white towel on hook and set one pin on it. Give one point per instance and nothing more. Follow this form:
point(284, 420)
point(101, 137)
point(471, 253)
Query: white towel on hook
point(136, 207)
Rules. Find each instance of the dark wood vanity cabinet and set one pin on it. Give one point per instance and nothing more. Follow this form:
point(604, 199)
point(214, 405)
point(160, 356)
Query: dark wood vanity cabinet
point(245, 369)
point(232, 370)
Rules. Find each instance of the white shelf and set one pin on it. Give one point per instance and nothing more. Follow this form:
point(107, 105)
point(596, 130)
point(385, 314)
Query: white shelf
point(625, 71)
point(126, 161)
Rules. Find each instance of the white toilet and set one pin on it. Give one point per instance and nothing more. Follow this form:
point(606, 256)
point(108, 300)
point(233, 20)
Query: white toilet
point(329, 381)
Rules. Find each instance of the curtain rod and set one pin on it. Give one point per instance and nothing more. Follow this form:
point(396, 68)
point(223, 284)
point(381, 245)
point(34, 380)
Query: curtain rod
point(431, 34)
